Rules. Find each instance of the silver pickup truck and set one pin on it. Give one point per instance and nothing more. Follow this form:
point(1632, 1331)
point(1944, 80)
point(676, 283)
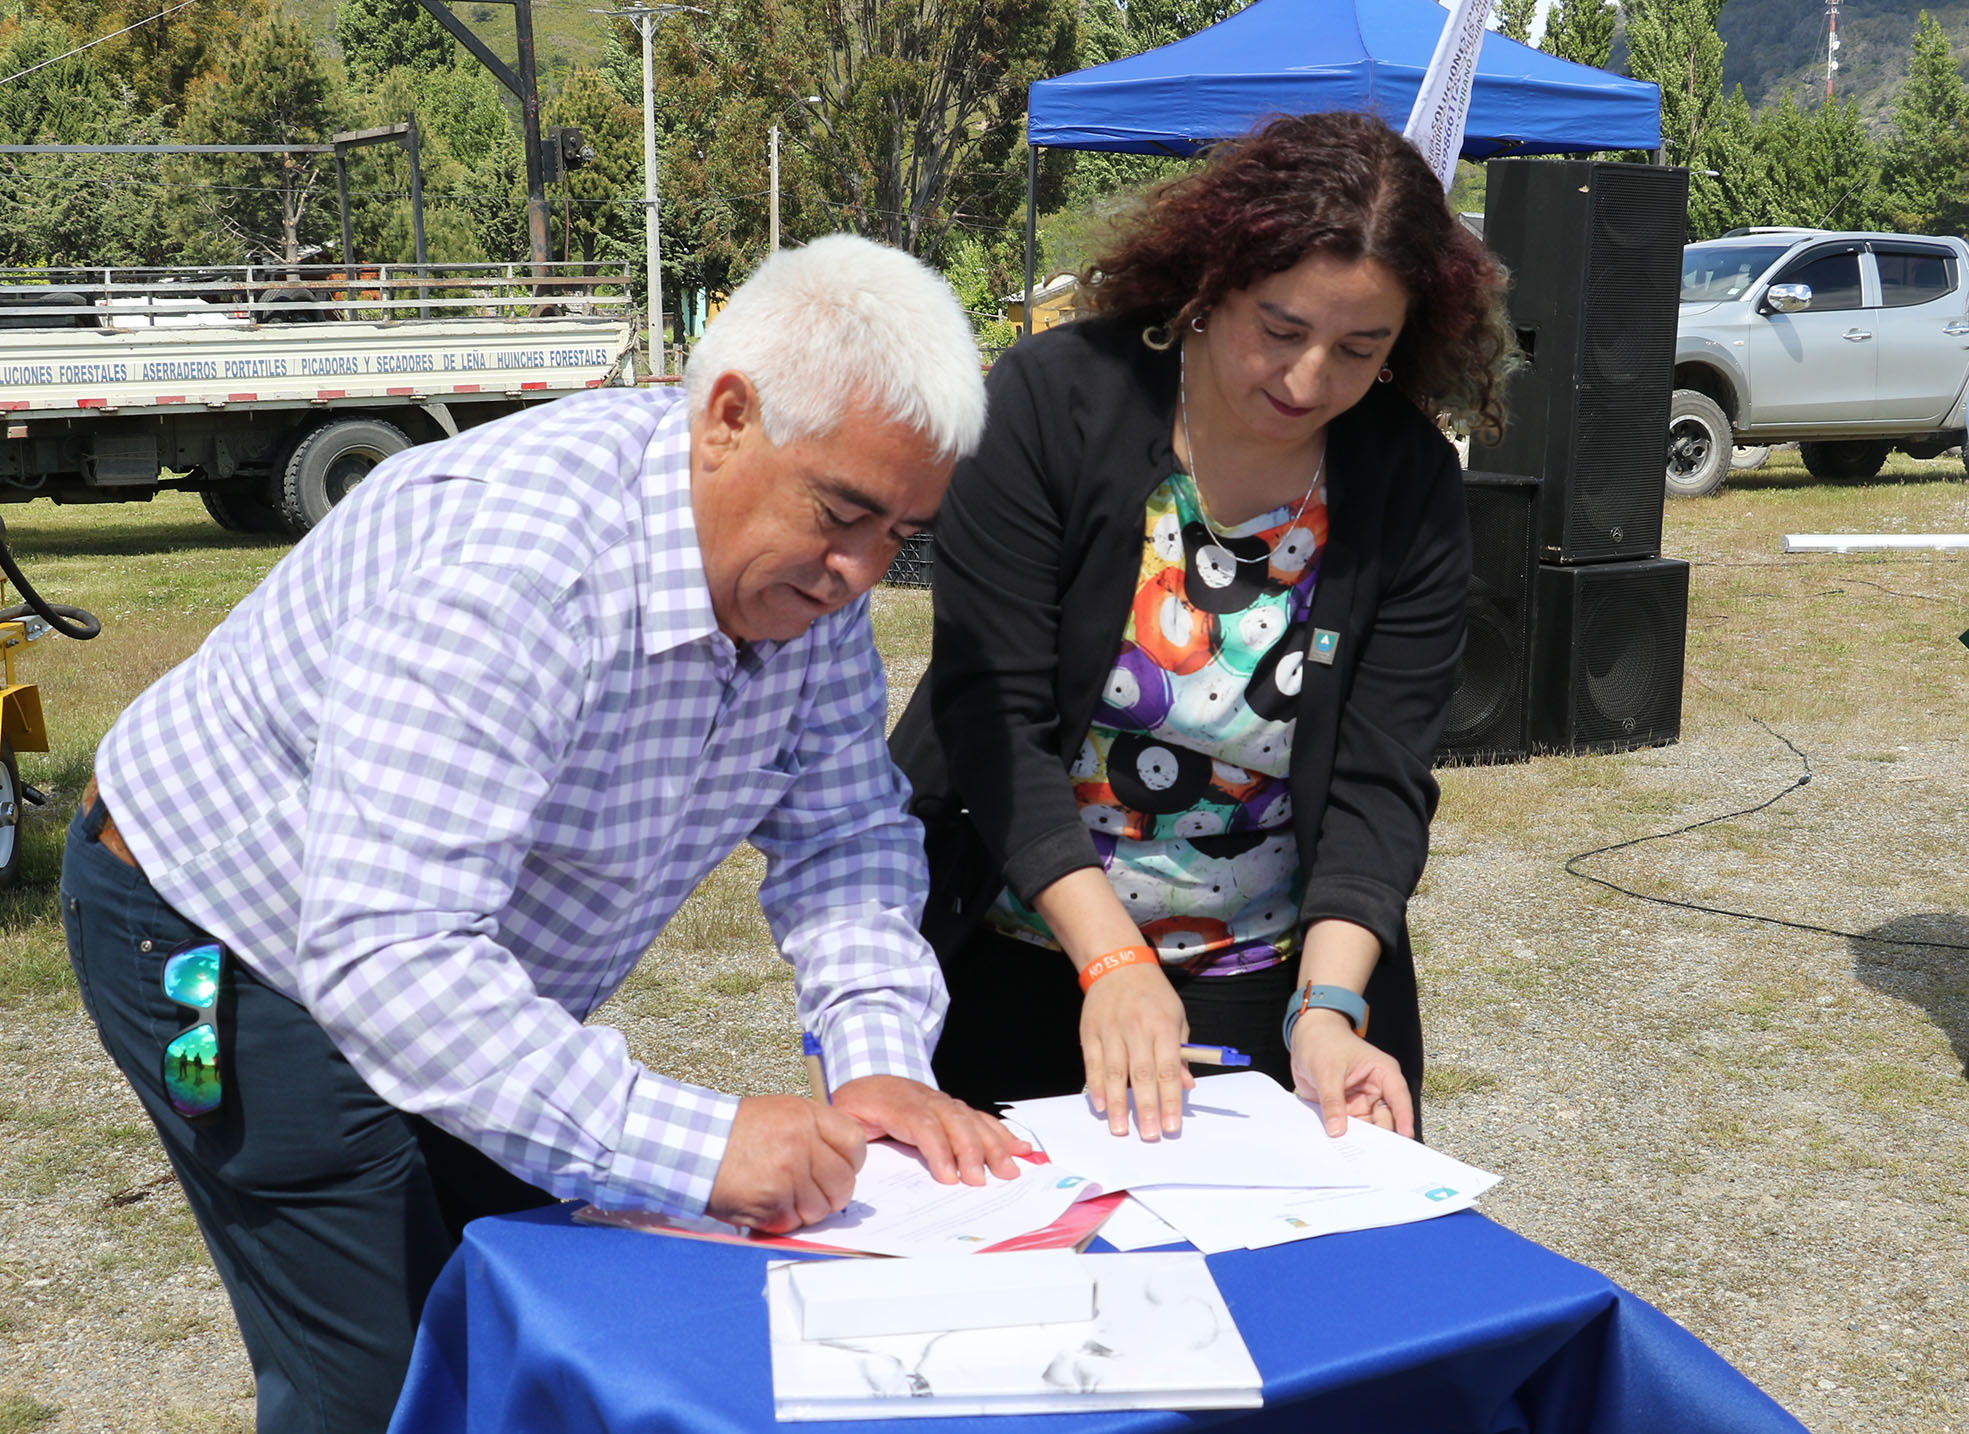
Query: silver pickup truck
point(1850, 345)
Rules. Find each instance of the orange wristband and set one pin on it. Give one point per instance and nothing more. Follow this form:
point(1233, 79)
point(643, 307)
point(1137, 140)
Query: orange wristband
point(1113, 961)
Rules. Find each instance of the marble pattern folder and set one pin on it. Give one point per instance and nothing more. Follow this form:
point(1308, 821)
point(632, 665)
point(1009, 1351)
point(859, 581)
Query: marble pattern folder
point(1161, 1338)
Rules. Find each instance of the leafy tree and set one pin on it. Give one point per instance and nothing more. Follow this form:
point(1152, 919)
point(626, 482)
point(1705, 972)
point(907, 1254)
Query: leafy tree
point(1674, 43)
point(1514, 19)
point(599, 209)
point(67, 210)
point(379, 178)
point(920, 126)
point(1733, 184)
point(1824, 170)
point(377, 36)
point(1580, 31)
point(275, 87)
point(164, 53)
point(1921, 165)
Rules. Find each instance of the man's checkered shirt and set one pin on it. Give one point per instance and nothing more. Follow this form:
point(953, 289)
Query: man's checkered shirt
point(446, 773)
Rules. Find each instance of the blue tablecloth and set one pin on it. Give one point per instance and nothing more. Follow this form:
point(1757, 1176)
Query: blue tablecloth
point(1454, 1324)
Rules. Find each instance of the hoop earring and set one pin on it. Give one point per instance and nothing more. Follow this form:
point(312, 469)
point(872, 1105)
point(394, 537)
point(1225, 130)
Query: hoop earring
point(1158, 337)
point(1385, 376)
point(1196, 322)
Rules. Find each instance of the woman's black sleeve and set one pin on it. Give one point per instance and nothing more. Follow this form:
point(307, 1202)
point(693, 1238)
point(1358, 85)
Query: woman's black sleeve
point(1001, 567)
point(1374, 837)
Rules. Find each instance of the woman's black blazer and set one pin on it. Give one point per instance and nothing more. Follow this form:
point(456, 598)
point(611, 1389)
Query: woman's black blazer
point(1038, 550)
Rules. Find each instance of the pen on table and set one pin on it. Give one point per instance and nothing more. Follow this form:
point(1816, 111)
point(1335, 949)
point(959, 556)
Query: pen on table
point(816, 1072)
point(1213, 1056)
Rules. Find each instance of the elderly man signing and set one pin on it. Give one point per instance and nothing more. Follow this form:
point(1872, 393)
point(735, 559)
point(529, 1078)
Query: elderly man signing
point(355, 873)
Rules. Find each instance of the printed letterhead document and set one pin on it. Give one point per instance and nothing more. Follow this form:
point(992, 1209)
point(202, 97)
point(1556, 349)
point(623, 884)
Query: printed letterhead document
point(1254, 1167)
point(1161, 1338)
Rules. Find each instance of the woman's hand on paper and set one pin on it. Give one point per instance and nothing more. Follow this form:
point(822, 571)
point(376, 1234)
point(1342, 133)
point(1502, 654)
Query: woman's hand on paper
point(788, 1163)
point(955, 1141)
point(1347, 1076)
point(1132, 1026)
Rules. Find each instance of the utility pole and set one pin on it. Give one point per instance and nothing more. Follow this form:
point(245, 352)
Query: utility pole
point(1831, 45)
point(772, 227)
point(646, 17)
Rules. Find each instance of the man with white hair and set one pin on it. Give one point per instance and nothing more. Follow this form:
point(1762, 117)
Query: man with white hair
point(350, 879)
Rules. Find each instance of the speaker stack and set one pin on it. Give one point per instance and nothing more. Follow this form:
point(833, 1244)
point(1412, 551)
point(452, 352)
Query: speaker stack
point(1595, 254)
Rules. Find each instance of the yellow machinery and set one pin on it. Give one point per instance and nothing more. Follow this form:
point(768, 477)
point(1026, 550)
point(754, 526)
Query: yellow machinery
point(21, 727)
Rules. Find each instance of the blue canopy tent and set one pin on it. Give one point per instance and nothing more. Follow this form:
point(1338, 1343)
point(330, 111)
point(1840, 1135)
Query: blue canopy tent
point(1303, 56)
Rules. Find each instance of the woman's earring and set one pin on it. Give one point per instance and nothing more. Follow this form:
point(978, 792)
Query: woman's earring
point(1158, 337)
point(1385, 376)
point(1196, 322)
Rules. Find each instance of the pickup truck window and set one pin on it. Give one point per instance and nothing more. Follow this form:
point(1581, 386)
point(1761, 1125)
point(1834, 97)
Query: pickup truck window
point(1914, 276)
point(1714, 272)
point(1835, 280)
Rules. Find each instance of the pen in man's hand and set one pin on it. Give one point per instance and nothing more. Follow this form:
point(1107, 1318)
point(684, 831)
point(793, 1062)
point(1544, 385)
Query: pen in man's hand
point(816, 1072)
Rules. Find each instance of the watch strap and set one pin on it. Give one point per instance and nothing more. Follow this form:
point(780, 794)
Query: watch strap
point(1325, 998)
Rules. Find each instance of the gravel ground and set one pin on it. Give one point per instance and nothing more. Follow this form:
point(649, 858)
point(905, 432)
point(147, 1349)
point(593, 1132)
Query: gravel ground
point(1763, 1130)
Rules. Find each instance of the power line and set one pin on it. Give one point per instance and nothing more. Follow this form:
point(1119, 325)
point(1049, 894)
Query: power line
point(97, 41)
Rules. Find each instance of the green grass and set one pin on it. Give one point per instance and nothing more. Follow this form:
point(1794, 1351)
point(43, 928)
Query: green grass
point(21, 1412)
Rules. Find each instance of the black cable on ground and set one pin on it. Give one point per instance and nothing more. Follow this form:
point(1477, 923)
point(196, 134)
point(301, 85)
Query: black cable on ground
point(1572, 864)
point(68, 621)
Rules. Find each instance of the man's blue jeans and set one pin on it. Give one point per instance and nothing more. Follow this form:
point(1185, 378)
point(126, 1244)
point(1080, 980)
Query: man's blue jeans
point(328, 1211)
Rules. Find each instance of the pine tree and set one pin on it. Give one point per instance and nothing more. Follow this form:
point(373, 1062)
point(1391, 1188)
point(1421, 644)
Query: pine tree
point(1514, 19)
point(1580, 31)
point(378, 36)
point(275, 86)
point(597, 207)
point(1674, 43)
point(1824, 169)
point(1920, 158)
point(1732, 185)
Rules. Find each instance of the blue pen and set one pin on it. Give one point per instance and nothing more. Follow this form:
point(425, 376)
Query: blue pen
point(816, 1072)
point(1213, 1056)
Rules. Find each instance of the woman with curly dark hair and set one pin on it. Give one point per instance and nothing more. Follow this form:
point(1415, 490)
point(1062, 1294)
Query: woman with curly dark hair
point(1199, 601)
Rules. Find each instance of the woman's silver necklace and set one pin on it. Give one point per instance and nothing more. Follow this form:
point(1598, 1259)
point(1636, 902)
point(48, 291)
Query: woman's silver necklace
point(1196, 481)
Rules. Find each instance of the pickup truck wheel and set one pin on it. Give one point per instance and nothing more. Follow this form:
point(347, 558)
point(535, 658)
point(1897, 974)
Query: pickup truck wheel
point(1852, 460)
point(1698, 445)
point(10, 815)
point(243, 513)
point(1746, 456)
point(329, 462)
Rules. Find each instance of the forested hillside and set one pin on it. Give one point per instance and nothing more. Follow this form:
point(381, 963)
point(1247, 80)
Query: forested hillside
point(1775, 44)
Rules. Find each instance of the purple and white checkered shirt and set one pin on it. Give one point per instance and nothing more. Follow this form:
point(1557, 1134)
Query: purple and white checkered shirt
point(446, 773)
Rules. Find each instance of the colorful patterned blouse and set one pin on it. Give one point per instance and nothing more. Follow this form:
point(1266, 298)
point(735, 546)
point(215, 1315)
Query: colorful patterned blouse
point(1183, 775)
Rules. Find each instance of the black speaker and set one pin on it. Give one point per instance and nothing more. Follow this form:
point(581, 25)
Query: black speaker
point(1595, 254)
point(1606, 669)
point(1489, 713)
point(912, 564)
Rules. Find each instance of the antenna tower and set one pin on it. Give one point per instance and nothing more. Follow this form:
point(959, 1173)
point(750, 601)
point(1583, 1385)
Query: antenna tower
point(1831, 45)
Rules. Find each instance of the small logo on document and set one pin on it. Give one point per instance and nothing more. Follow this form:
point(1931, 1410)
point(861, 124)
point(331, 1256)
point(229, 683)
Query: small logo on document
point(1441, 1192)
point(1325, 643)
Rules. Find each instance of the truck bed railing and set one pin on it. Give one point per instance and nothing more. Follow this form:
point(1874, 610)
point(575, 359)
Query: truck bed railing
point(252, 294)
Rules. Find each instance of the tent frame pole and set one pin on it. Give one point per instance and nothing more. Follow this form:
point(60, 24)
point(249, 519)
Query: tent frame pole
point(1032, 201)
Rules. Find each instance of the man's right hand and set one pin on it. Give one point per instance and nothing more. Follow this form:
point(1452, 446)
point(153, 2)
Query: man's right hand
point(787, 1163)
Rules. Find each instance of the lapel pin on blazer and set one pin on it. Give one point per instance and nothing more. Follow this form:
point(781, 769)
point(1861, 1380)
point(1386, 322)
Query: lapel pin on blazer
point(1326, 642)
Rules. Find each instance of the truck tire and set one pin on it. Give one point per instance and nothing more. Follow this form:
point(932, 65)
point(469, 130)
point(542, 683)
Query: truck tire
point(10, 815)
point(1748, 456)
point(1698, 445)
point(329, 462)
point(1854, 459)
point(243, 512)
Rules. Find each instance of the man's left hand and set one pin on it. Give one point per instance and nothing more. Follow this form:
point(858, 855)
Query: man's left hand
point(957, 1142)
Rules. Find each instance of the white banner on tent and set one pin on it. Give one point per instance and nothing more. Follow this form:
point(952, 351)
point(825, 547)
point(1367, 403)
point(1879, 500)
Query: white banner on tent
point(1442, 105)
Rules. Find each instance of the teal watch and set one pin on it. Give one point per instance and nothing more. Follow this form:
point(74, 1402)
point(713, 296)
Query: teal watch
point(1325, 998)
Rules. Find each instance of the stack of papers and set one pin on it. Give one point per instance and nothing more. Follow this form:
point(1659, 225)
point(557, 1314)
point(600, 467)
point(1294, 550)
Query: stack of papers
point(1161, 1338)
point(1253, 1166)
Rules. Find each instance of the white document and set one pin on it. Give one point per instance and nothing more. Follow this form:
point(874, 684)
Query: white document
point(1161, 1338)
point(900, 1209)
point(1243, 1129)
point(1133, 1226)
